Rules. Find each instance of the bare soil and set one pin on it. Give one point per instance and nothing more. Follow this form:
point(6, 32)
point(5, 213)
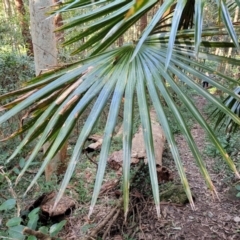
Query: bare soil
point(212, 219)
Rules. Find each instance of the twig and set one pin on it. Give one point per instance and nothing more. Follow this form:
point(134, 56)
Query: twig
point(31, 171)
point(110, 224)
point(4, 237)
point(172, 204)
point(134, 232)
point(37, 234)
point(101, 225)
point(2, 196)
point(11, 189)
point(140, 223)
point(90, 159)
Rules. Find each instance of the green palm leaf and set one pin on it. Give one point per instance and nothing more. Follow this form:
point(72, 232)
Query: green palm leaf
point(227, 21)
point(199, 5)
point(109, 75)
point(147, 134)
point(127, 134)
point(222, 119)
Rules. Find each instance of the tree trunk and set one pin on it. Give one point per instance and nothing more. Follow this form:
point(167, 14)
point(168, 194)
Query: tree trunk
point(58, 22)
point(44, 42)
point(8, 8)
point(143, 22)
point(5, 9)
point(45, 58)
point(120, 41)
point(9, 14)
point(24, 25)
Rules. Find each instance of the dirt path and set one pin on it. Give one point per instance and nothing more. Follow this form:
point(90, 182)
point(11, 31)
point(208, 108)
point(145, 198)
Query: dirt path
point(212, 219)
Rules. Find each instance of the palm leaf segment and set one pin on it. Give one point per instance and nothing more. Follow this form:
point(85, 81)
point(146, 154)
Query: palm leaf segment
point(222, 119)
point(58, 99)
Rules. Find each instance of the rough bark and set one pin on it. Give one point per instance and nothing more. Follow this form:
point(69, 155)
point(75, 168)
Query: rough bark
point(143, 22)
point(120, 41)
point(24, 25)
point(45, 58)
point(58, 22)
point(44, 42)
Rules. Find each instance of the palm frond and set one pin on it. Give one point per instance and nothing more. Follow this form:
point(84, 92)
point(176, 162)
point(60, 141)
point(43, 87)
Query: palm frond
point(59, 98)
point(222, 119)
point(100, 77)
point(103, 22)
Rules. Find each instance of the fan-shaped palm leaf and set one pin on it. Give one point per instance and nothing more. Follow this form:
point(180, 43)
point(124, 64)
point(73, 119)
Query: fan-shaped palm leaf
point(58, 99)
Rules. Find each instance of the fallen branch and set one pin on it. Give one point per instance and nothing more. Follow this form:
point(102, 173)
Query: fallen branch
point(37, 234)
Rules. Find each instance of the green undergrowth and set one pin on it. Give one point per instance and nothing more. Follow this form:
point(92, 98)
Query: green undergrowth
point(21, 228)
point(229, 141)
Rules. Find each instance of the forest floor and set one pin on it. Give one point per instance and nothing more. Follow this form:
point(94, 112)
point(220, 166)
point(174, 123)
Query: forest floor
point(213, 218)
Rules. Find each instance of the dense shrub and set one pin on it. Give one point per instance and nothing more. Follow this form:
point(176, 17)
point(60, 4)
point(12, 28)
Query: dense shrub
point(14, 70)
